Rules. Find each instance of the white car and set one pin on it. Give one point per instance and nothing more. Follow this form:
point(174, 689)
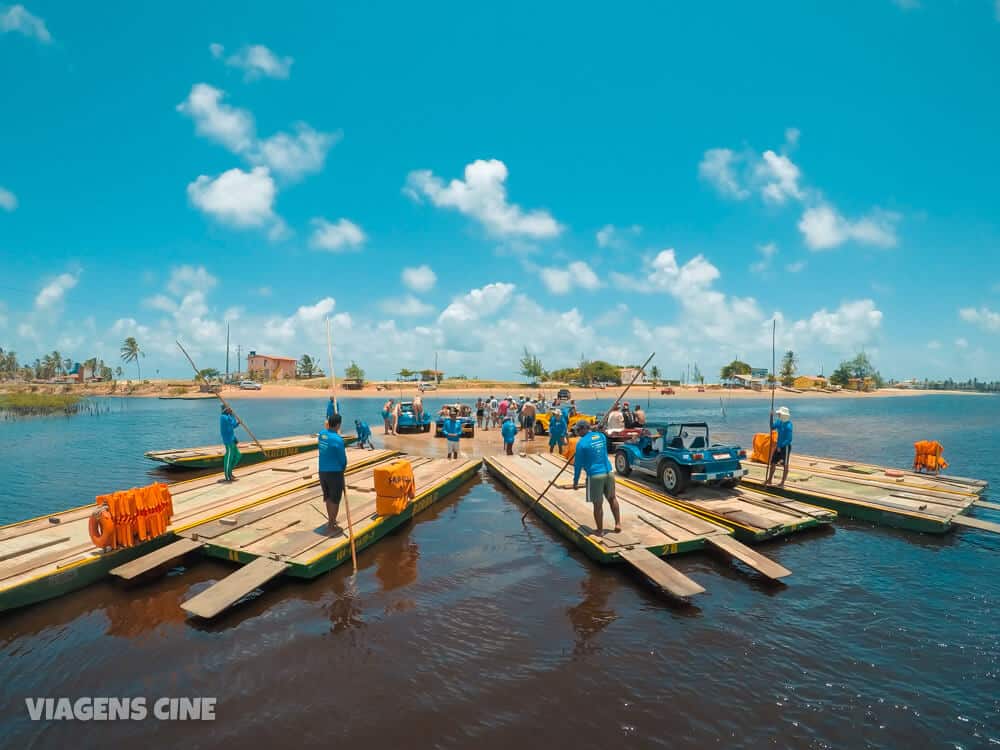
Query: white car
point(427, 387)
point(249, 385)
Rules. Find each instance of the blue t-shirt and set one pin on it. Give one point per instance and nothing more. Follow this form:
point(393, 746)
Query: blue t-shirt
point(784, 432)
point(509, 431)
point(330, 411)
point(364, 431)
point(557, 426)
point(592, 456)
point(227, 427)
point(332, 455)
point(452, 429)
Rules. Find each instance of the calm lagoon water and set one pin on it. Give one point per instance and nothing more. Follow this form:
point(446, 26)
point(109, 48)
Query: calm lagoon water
point(469, 628)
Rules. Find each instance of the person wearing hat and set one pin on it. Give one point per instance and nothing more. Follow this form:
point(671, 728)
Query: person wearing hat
point(332, 463)
point(364, 433)
point(615, 421)
point(592, 456)
point(331, 407)
point(227, 427)
point(783, 450)
point(557, 431)
point(452, 431)
point(628, 416)
point(509, 431)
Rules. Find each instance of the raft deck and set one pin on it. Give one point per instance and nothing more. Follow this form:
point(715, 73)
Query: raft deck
point(888, 476)
point(905, 507)
point(650, 529)
point(48, 556)
point(289, 535)
point(211, 456)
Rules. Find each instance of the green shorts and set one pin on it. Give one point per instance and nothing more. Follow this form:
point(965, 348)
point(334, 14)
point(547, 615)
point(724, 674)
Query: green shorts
point(600, 487)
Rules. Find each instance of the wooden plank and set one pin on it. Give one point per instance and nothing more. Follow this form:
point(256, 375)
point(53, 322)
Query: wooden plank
point(234, 587)
point(40, 544)
point(763, 565)
point(214, 529)
point(155, 559)
point(984, 504)
point(976, 523)
point(661, 573)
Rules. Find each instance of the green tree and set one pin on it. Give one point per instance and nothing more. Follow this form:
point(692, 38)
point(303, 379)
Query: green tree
point(130, 352)
point(429, 375)
point(841, 376)
point(354, 372)
point(209, 373)
point(736, 367)
point(405, 374)
point(788, 368)
point(654, 373)
point(860, 367)
point(308, 367)
point(696, 375)
point(531, 367)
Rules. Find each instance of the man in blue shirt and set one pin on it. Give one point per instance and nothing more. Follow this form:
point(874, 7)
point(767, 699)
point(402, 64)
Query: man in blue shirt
point(557, 431)
point(783, 451)
point(364, 433)
point(331, 407)
point(452, 432)
point(592, 457)
point(332, 462)
point(509, 431)
point(227, 428)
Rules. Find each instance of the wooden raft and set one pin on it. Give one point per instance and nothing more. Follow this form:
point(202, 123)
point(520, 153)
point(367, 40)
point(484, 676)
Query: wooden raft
point(753, 515)
point(47, 545)
point(877, 474)
point(648, 526)
point(274, 447)
point(290, 534)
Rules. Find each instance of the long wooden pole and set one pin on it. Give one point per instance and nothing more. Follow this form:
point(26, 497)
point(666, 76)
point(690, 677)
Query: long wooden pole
point(770, 420)
point(336, 409)
point(569, 460)
point(224, 402)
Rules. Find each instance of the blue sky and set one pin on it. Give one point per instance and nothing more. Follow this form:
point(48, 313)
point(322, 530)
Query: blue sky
point(474, 179)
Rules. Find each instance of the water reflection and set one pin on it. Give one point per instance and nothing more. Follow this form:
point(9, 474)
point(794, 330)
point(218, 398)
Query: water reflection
point(593, 614)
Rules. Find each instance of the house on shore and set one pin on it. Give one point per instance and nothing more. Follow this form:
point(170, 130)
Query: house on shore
point(805, 382)
point(270, 367)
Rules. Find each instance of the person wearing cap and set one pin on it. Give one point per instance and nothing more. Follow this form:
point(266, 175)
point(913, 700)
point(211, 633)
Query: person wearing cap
point(452, 431)
point(783, 450)
point(592, 456)
point(332, 463)
point(227, 428)
point(557, 431)
point(364, 433)
point(615, 421)
point(627, 416)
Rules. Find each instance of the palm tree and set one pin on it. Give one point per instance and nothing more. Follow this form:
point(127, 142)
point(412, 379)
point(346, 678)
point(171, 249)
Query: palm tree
point(131, 353)
point(654, 373)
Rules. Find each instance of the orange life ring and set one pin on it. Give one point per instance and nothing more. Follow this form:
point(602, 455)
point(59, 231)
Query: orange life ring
point(894, 473)
point(102, 528)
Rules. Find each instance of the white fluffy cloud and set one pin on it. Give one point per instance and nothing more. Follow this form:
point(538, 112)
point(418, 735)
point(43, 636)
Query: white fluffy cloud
point(563, 280)
point(779, 178)
point(237, 198)
point(256, 61)
point(850, 326)
point(482, 195)
point(823, 227)
point(615, 237)
point(984, 317)
point(662, 273)
point(53, 293)
point(190, 278)
point(408, 307)
point(8, 201)
point(767, 252)
point(18, 18)
point(718, 167)
point(477, 303)
point(288, 155)
point(336, 236)
point(420, 278)
point(233, 127)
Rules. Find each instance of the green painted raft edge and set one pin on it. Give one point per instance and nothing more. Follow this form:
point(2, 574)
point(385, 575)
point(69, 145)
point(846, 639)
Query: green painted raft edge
point(247, 459)
point(859, 510)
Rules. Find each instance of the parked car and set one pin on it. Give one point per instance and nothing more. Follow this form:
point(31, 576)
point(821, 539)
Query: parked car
point(679, 454)
point(563, 394)
point(465, 416)
point(667, 391)
point(543, 417)
point(408, 421)
point(249, 385)
point(427, 387)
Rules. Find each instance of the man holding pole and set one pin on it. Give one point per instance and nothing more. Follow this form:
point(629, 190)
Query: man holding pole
point(331, 407)
point(227, 427)
point(332, 463)
point(592, 457)
point(783, 426)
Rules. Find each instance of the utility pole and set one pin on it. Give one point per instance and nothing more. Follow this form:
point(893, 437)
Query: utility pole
point(239, 357)
point(227, 352)
point(437, 376)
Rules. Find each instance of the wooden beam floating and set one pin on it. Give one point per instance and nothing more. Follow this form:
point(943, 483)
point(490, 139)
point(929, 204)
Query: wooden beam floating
point(156, 559)
point(661, 573)
point(750, 557)
point(976, 523)
point(224, 594)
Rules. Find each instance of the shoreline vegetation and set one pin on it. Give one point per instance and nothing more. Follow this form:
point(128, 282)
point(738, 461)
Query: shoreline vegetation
point(45, 398)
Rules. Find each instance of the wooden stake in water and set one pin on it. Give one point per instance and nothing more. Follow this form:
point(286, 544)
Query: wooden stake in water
point(336, 409)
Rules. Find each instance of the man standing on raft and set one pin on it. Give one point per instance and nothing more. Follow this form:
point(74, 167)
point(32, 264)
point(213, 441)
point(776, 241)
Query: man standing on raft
point(227, 427)
point(783, 426)
point(332, 462)
point(592, 457)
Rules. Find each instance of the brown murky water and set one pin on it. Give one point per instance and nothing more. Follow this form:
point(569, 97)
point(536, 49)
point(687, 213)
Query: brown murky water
point(466, 628)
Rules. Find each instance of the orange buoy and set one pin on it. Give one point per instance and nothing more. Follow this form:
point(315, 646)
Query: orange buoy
point(102, 528)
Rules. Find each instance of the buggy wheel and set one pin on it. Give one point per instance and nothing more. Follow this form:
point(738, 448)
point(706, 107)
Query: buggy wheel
point(672, 477)
point(729, 483)
point(621, 463)
point(425, 428)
